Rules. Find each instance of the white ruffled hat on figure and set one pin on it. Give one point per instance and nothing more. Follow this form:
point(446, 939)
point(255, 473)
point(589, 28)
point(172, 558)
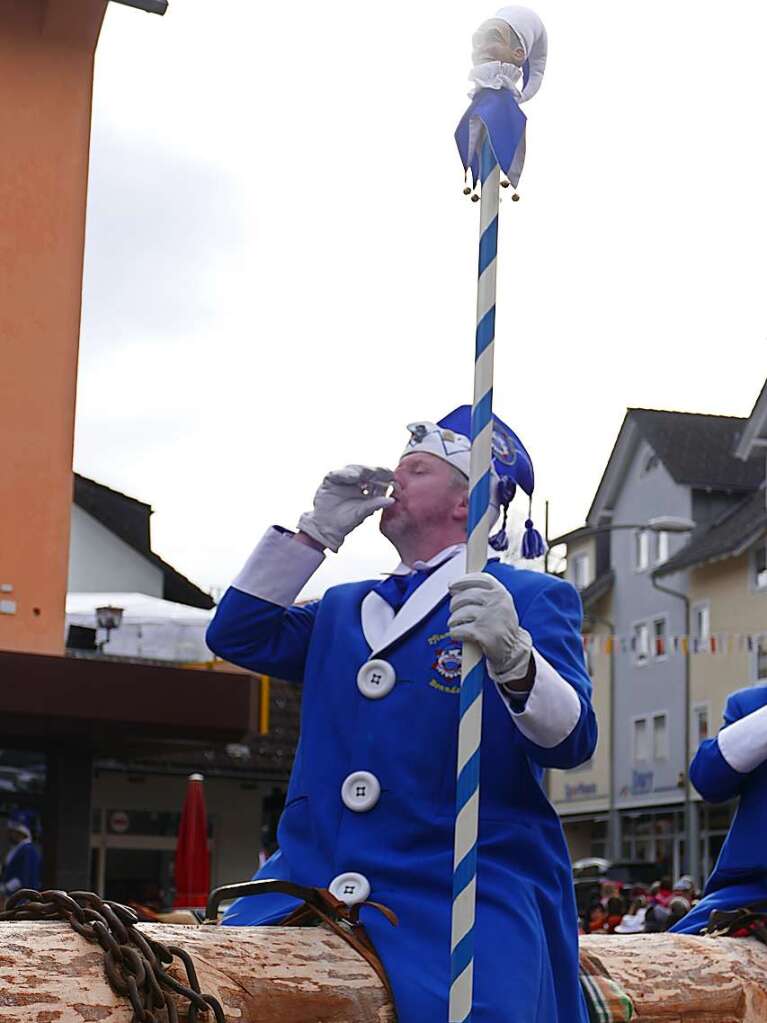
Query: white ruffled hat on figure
point(507, 48)
point(532, 34)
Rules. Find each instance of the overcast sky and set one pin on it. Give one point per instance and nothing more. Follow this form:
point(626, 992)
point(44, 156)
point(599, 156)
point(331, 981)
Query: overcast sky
point(280, 265)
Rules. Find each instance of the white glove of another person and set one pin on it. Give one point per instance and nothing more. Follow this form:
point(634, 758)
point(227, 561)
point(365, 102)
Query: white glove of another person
point(482, 611)
point(344, 499)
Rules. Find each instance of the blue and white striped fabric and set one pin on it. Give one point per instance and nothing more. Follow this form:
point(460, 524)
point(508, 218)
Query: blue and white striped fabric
point(470, 726)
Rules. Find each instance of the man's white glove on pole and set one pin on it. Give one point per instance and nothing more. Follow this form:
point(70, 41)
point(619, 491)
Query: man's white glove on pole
point(345, 499)
point(482, 611)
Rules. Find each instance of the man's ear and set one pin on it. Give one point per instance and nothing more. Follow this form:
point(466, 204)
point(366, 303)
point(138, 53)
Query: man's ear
point(461, 509)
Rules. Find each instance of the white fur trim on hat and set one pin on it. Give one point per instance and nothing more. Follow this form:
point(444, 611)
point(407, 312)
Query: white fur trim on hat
point(532, 34)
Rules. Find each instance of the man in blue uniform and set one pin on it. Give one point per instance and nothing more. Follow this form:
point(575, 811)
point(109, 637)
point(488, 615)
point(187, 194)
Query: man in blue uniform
point(22, 861)
point(734, 765)
point(370, 806)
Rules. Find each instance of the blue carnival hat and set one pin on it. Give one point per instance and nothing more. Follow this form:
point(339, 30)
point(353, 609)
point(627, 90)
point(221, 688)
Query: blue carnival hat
point(514, 468)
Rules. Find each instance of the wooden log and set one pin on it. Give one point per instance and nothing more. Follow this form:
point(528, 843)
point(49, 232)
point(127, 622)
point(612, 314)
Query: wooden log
point(50, 974)
point(676, 978)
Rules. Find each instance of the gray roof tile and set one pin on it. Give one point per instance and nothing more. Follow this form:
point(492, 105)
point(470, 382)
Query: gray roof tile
point(728, 535)
point(698, 450)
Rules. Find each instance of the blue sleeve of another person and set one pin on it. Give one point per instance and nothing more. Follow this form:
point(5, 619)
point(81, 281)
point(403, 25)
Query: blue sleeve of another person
point(710, 773)
point(261, 636)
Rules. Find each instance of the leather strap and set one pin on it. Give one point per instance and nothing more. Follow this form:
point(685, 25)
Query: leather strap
point(319, 906)
point(744, 922)
point(325, 908)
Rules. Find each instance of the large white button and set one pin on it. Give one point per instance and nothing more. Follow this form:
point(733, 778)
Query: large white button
point(360, 791)
point(350, 888)
point(375, 679)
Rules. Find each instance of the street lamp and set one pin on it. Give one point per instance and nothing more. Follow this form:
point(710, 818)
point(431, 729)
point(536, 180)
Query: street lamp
point(658, 524)
point(108, 618)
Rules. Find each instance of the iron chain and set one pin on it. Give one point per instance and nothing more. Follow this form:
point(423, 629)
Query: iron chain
point(136, 965)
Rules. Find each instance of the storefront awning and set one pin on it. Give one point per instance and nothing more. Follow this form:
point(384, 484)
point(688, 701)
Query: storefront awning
point(112, 704)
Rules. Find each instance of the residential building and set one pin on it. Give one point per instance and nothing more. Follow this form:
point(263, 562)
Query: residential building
point(109, 543)
point(681, 469)
point(726, 566)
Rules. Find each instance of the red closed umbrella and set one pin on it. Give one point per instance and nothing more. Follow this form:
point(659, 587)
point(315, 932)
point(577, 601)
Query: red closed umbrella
point(192, 859)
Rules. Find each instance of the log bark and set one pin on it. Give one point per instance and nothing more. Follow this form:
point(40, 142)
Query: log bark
point(49, 974)
point(677, 978)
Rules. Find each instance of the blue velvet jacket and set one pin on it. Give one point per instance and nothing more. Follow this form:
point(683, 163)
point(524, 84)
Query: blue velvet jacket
point(740, 875)
point(526, 961)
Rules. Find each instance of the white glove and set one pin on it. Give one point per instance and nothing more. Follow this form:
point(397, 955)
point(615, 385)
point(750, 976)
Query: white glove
point(345, 499)
point(482, 611)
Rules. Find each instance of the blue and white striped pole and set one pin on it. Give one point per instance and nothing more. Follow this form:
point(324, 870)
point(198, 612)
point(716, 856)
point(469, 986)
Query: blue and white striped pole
point(472, 673)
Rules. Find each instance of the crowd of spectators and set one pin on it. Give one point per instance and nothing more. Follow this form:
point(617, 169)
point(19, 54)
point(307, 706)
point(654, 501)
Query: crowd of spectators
point(637, 909)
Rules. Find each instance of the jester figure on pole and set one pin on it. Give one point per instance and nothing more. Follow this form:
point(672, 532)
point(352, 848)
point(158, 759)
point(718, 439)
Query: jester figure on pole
point(471, 861)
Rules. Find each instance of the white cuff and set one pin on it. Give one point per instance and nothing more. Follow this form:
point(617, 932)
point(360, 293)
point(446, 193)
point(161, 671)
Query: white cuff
point(743, 744)
point(279, 568)
point(12, 886)
point(552, 709)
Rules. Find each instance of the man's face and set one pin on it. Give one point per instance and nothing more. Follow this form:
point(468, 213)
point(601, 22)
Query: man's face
point(427, 495)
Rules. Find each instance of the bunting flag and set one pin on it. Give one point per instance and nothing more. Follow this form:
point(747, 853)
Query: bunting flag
point(717, 644)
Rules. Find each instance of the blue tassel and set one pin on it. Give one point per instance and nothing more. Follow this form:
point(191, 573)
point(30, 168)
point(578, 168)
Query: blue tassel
point(506, 491)
point(532, 542)
point(499, 541)
point(507, 488)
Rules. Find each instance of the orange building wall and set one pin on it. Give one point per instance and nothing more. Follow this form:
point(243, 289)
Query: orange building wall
point(46, 76)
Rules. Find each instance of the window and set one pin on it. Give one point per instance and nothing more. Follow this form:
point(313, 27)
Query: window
point(701, 622)
point(659, 637)
point(760, 567)
point(761, 658)
point(641, 739)
point(660, 736)
point(655, 837)
point(581, 570)
point(661, 547)
point(699, 724)
point(641, 550)
point(641, 643)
